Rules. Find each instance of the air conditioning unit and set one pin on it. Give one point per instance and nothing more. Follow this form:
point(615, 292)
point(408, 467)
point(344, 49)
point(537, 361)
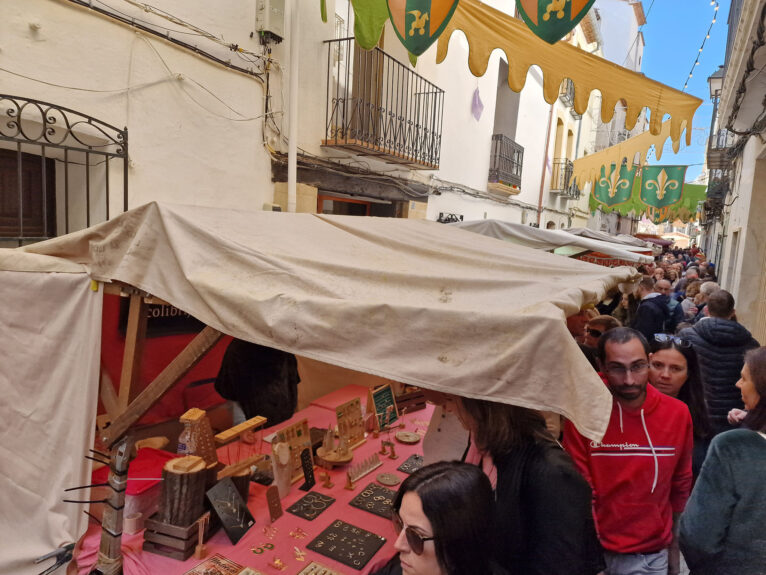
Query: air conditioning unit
point(270, 20)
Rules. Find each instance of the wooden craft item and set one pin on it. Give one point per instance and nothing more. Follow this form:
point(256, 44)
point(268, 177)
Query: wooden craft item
point(392, 453)
point(298, 437)
point(315, 568)
point(382, 402)
point(330, 454)
point(351, 422)
point(283, 467)
point(349, 484)
point(274, 503)
point(231, 509)
point(234, 432)
point(407, 437)
point(326, 481)
point(240, 466)
point(249, 571)
point(307, 463)
point(201, 434)
point(388, 479)
point(174, 541)
point(412, 400)
point(219, 565)
point(356, 472)
point(183, 490)
point(347, 544)
point(199, 550)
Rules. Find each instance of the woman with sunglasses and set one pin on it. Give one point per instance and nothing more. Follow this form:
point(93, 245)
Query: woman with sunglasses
point(722, 528)
point(441, 517)
point(674, 370)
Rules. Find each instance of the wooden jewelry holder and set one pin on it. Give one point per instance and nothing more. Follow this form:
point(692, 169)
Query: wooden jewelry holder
point(173, 531)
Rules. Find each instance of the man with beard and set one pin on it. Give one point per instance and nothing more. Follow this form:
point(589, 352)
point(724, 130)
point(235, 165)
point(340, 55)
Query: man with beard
point(640, 471)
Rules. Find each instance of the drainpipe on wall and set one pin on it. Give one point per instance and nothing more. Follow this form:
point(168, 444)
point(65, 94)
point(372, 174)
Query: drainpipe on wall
point(292, 138)
point(545, 161)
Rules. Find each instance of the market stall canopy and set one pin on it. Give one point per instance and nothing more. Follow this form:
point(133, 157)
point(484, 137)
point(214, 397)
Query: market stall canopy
point(605, 237)
point(488, 29)
point(550, 240)
point(408, 300)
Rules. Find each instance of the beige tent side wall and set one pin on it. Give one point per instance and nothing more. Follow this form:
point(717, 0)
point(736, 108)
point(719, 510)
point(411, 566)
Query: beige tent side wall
point(49, 366)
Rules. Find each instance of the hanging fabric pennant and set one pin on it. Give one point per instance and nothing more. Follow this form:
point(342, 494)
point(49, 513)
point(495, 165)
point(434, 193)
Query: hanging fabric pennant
point(551, 20)
point(418, 23)
point(662, 186)
point(617, 187)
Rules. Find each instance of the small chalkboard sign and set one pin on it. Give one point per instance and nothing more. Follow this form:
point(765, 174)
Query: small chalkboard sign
point(382, 403)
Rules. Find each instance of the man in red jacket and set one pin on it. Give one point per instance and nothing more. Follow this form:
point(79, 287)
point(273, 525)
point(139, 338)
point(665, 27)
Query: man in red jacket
point(641, 471)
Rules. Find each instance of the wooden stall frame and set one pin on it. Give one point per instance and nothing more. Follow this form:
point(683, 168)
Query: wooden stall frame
point(131, 407)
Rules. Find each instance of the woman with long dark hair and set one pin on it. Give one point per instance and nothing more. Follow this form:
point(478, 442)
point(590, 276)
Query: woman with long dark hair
point(543, 517)
point(674, 370)
point(441, 515)
point(722, 529)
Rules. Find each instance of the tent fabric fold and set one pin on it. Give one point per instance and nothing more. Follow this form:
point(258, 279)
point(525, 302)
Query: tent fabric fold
point(487, 29)
point(553, 239)
point(407, 300)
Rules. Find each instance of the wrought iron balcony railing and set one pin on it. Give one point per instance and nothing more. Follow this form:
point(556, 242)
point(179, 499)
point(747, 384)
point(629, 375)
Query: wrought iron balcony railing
point(378, 106)
point(719, 144)
point(561, 176)
point(506, 161)
point(567, 92)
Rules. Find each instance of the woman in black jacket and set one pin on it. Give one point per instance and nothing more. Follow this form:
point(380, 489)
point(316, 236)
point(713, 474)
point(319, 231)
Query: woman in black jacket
point(543, 518)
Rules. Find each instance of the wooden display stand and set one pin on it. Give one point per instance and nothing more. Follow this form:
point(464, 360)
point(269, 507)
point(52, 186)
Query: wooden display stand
point(298, 438)
point(351, 423)
point(201, 435)
point(172, 531)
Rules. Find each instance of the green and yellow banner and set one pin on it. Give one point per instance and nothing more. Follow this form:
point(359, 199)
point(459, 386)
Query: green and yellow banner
point(659, 193)
point(615, 188)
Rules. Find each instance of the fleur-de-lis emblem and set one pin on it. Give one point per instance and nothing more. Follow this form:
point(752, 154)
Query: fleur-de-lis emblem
point(662, 185)
point(614, 183)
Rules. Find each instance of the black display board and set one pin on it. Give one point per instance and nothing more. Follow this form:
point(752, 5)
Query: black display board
point(231, 509)
point(347, 544)
point(311, 505)
point(375, 499)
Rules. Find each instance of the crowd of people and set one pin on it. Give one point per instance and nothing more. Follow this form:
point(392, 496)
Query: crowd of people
point(679, 471)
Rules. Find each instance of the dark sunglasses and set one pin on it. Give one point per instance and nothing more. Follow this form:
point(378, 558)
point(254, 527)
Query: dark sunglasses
point(594, 332)
point(414, 539)
point(665, 337)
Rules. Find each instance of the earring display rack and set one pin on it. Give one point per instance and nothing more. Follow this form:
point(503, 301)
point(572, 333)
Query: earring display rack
point(347, 544)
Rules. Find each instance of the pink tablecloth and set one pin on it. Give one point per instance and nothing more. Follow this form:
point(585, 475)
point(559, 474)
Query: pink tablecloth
point(341, 396)
point(137, 562)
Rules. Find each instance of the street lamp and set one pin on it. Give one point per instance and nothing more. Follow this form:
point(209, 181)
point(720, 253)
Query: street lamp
point(715, 81)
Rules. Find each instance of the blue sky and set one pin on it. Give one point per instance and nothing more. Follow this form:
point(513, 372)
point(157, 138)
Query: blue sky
point(674, 32)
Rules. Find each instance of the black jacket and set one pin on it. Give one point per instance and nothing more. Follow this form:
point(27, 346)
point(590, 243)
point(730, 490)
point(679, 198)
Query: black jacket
point(720, 345)
point(652, 316)
point(543, 518)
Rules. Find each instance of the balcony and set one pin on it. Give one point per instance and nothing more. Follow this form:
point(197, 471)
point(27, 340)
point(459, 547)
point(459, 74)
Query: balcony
point(506, 160)
point(567, 92)
point(561, 177)
point(377, 106)
point(718, 150)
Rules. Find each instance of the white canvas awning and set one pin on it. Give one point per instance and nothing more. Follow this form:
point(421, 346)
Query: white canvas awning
point(408, 300)
point(550, 240)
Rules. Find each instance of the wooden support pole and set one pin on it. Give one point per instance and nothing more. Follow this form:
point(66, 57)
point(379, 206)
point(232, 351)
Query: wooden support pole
point(108, 395)
point(135, 334)
point(184, 361)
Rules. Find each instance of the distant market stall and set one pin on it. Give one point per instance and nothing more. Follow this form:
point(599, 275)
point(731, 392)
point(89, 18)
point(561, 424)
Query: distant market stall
point(599, 251)
point(410, 301)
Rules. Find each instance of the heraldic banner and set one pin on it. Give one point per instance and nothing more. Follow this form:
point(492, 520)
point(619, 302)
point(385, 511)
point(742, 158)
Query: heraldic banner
point(616, 187)
point(662, 186)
